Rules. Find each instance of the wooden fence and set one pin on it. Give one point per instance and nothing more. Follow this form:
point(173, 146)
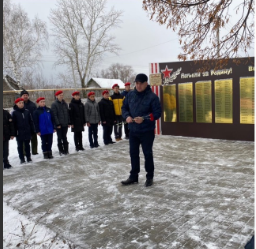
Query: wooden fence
point(49, 94)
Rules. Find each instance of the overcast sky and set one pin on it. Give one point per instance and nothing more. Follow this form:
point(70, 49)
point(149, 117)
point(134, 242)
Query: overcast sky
point(142, 41)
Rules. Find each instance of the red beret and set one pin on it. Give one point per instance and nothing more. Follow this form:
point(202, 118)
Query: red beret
point(75, 93)
point(127, 84)
point(90, 93)
point(59, 92)
point(18, 100)
point(39, 99)
point(106, 91)
point(115, 86)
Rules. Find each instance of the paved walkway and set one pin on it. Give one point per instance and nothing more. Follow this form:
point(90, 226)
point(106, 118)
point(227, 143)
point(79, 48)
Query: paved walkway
point(203, 196)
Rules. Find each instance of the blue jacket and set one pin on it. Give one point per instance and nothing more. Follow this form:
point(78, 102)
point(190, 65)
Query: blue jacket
point(141, 104)
point(43, 120)
point(124, 93)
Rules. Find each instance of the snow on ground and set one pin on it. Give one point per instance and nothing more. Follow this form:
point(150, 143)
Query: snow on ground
point(203, 196)
point(41, 236)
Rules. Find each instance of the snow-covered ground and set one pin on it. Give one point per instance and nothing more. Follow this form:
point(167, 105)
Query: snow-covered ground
point(203, 197)
point(17, 229)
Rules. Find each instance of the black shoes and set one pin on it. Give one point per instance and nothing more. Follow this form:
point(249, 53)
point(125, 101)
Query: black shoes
point(50, 156)
point(149, 182)
point(129, 181)
point(22, 161)
point(81, 148)
point(46, 155)
point(29, 160)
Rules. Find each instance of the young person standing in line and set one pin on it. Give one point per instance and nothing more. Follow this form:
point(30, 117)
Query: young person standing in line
point(44, 125)
point(77, 119)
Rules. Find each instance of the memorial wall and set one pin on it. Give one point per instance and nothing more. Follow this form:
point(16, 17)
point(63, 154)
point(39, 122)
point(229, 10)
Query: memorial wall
point(201, 101)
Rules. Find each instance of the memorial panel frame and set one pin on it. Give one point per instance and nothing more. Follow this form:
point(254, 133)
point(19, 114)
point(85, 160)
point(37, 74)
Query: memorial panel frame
point(175, 73)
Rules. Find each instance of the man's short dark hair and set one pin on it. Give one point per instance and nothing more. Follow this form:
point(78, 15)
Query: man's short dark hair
point(141, 77)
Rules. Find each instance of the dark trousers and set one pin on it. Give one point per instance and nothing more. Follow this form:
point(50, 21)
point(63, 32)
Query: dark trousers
point(47, 142)
point(62, 135)
point(5, 151)
point(146, 140)
point(20, 148)
point(78, 137)
point(93, 135)
point(33, 144)
point(118, 127)
point(126, 130)
point(107, 131)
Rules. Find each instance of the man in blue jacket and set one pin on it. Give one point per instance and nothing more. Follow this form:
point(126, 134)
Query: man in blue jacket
point(140, 109)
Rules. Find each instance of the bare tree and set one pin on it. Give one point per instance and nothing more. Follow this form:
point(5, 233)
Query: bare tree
point(119, 71)
point(82, 33)
point(199, 24)
point(23, 40)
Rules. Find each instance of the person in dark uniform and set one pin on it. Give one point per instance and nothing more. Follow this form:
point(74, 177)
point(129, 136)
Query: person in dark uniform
point(77, 119)
point(140, 109)
point(61, 121)
point(8, 133)
point(107, 116)
point(31, 106)
point(24, 127)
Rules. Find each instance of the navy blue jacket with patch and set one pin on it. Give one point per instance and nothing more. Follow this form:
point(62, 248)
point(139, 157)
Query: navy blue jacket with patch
point(43, 120)
point(141, 104)
point(23, 123)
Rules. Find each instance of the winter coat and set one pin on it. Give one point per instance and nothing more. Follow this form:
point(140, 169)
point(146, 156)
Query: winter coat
point(60, 113)
point(117, 99)
point(43, 120)
point(139, 104)
point(23, 123)
point(107, 112)
point(31, 106)
point(8, 126)
point(77, 116)
point(124, 93)
point(91, 110)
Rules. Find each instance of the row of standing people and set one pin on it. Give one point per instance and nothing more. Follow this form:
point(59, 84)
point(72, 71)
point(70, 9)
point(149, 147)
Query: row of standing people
point(139, 108)
point(27, 121)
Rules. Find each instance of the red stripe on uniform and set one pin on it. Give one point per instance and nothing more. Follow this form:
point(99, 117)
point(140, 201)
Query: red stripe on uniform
point(156, 67)
point(152, 68)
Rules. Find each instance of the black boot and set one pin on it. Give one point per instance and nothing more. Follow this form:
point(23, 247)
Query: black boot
point(22, 161)
point(50, 156)
point(149, 182)
point(45, 155)
point(81, 147)
point(129, 181)
point(61, 150)
point(29, 160)
point(65, 145)
point(7, 165)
